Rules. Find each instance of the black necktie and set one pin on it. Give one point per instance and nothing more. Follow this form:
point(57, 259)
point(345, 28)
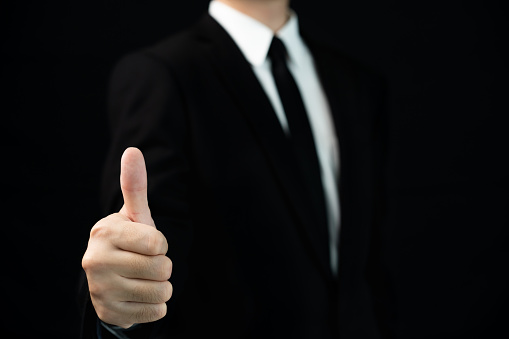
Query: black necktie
point(301, 135)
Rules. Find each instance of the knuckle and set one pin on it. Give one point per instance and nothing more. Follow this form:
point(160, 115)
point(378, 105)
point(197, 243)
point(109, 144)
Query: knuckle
point(164, 243)
point(168, 268)
point(105, 228)
point(90, 262)
point(163, 268)
point(102, 292)
point(105, 314)
point(160, 294)
point(155, 242)
point(96, 292)
point(159, 311)
point(164, 292)
point(86, 262)
point(168, 291)
point(101, 230)
point(101, 313)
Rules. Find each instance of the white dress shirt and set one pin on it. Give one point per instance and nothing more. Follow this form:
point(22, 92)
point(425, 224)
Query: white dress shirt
point(253, 39)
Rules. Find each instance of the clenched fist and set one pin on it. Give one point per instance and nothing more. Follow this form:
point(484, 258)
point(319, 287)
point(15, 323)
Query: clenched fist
point(125, 262)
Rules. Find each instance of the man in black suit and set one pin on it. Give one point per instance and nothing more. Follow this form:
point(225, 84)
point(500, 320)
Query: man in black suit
point(261, 146)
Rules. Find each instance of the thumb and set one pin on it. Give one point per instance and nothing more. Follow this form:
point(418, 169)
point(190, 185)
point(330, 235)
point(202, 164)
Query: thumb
point(133, 182)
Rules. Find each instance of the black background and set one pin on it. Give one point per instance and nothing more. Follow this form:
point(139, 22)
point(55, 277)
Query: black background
point(448, 203)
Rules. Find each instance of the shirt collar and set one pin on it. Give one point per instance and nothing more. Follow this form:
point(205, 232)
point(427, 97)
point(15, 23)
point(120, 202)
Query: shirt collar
point(253, 38)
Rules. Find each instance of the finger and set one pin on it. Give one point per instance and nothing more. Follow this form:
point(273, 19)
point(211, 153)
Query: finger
point(126, 313)
point(144, 291)
point(138, 313)
point(139, 238)
point(133, 182)
point(137, 266)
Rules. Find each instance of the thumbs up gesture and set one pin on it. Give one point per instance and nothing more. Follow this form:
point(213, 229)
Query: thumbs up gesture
point(125, 262)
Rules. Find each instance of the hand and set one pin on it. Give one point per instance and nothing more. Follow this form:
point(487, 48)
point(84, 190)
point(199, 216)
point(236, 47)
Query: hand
point(125, 262)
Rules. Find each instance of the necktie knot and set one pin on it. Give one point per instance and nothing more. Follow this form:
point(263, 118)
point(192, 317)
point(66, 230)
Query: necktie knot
point(277, 51)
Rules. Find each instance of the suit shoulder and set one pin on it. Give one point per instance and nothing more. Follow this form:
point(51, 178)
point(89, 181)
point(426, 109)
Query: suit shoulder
point(322, 42)
point(347, 60)
point(174, 50)
point(179, 46)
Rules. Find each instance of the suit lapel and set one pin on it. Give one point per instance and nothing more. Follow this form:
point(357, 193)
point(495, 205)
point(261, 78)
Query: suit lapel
point(337, 91)
point(354, 126)
point(340, 92)
point(253, 103)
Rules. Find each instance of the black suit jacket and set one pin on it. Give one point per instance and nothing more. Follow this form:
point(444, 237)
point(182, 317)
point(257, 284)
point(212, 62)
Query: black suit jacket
point(248, 259)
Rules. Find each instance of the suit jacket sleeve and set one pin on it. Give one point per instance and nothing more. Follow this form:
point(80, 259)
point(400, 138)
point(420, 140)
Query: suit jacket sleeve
point(146, 110)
